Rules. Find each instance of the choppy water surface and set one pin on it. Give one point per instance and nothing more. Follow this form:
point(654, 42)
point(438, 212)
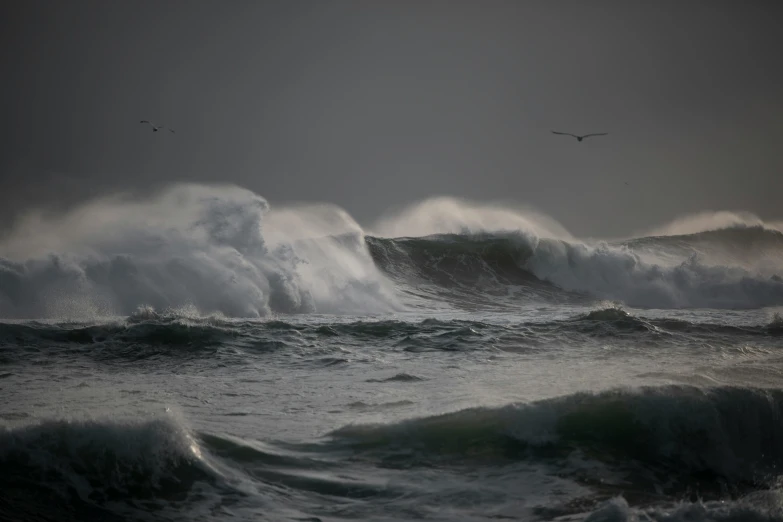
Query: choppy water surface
point(215, 362)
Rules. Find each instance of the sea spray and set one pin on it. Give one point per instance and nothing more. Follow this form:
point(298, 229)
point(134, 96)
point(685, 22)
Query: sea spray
point(191, 245)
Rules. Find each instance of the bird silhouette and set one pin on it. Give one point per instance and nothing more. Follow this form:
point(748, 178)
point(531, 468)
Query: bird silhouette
point(580, 138)
point(156, 128)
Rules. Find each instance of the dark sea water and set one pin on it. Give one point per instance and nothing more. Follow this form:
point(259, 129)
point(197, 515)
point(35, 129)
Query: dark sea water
point(198, 356)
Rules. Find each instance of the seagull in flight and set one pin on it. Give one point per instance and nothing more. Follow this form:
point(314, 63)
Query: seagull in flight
point(580, 138)
point(155, 128)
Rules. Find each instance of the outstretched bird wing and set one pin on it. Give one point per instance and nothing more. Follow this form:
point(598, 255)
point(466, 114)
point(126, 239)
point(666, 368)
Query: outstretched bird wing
point(595, 134)
point(565, 134)
point(155, 126)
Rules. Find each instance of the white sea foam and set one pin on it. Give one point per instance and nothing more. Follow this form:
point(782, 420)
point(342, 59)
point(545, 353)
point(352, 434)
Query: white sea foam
point(191, 245)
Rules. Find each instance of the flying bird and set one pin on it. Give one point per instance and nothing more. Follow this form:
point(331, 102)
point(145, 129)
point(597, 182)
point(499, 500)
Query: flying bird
point(155, 128)
point(580, 138)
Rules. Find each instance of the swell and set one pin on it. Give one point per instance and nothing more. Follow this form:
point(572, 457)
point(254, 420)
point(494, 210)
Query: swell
point(713, 444)
point(719, 441)
point(177, 338)
point(136, 469)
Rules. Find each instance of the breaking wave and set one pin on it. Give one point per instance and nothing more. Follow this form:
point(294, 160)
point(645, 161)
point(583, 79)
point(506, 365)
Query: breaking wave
point(210, 248)
point(672, 272)
point(223, 250)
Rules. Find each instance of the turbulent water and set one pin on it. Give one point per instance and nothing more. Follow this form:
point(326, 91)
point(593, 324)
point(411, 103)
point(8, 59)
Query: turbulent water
point(198, 355)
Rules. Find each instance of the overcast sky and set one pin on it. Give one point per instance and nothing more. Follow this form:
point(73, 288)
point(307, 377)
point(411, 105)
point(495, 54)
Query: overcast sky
point(375, 104)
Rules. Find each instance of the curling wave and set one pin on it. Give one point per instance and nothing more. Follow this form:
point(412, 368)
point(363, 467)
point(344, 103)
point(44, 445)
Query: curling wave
point(646, 273)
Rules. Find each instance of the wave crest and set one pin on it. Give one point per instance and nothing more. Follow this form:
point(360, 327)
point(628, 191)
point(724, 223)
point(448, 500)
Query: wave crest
point(711, 221)
point(222, 250)
point(626, 273)
point(448, 215)
point(619, 273)
point(192, 245)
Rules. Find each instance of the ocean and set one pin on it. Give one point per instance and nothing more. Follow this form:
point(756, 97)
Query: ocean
point(200, 355)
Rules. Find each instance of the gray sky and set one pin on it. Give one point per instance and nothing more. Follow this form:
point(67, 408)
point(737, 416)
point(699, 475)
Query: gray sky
point(370, 105)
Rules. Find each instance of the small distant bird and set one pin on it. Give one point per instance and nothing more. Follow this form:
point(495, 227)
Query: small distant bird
point(580, 138)
point(155, 128)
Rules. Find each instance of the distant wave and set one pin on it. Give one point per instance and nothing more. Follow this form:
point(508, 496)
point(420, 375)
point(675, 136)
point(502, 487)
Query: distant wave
point(755, 247)
point(712, 221)
point(737, 235)
point(222, 250)
point(621, 274)
point(709, 260)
